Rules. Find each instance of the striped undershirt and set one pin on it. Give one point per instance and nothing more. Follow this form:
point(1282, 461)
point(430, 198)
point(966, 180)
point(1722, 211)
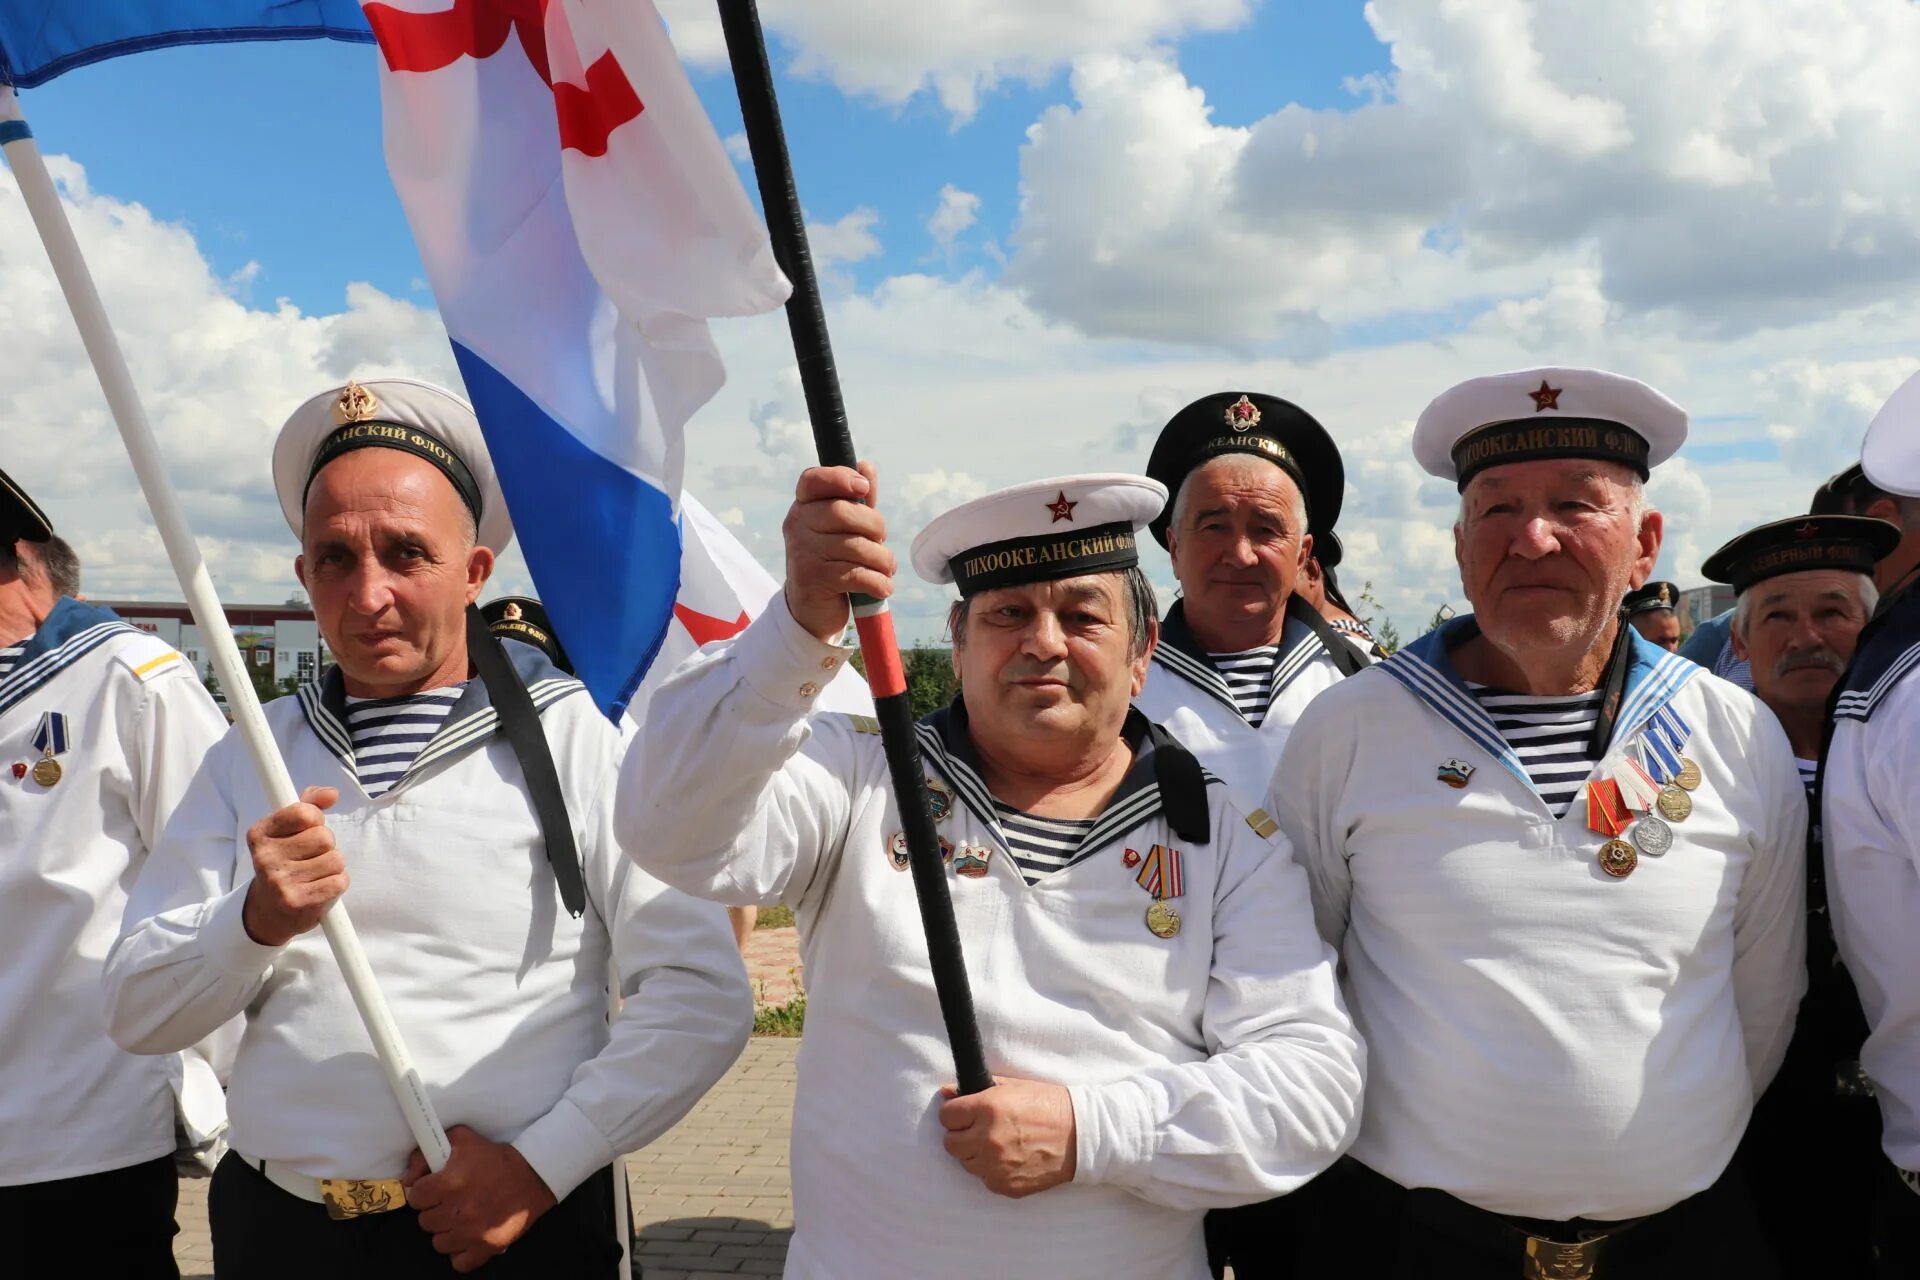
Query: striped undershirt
point(1809, 770)
point(1249, 677)
point(9, 656)
point(389, 733)
point(1550, 735)
point(1041, 845)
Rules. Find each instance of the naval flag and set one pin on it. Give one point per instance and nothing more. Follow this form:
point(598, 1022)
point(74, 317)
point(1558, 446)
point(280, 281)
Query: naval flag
point(580, 222)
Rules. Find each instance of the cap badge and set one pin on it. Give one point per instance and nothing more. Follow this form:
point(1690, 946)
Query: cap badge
point(1061, 508)
point(1546, 397)
point(1807, 530)
point(1666, 594)
point(1243, 415)
point(356, 404)
point(511, 613)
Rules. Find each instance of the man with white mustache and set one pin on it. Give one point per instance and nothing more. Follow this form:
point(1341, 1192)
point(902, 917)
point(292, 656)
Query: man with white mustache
point(1805, 589)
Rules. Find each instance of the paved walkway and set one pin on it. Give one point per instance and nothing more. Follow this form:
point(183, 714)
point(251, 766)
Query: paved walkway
point(710, 1199)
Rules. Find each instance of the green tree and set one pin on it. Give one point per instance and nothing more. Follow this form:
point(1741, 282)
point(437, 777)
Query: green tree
point(1377, 619)
point(930, 682)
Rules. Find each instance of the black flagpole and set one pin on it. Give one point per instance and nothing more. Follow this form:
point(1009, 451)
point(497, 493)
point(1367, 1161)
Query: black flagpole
point(753, 79)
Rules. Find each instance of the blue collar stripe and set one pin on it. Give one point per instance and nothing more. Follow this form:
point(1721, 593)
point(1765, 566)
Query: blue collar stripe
point(1435, 688)
point(49, 662)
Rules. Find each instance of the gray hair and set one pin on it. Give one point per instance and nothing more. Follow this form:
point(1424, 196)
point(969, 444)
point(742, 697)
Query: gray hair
point(53, 560)
point(1143, 611)
point(1743, 607)
point(62, 565)
point(1245, 464)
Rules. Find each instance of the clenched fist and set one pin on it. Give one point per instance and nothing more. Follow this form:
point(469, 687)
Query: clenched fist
point(836, 546)
point(297, 871)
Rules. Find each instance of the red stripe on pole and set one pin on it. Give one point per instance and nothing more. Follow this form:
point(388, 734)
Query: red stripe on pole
point(885, 675)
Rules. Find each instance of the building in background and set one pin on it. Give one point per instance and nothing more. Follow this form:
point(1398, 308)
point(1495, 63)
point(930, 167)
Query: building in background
point(280, 642)
point(1697, 604)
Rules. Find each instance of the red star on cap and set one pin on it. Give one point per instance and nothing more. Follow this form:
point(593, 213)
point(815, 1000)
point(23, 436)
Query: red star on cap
point(1061, 508)
point(1546, 397)
point(1807, 530)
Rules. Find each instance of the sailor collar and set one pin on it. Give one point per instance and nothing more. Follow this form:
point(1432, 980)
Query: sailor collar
point(70, 632)
point(1160, 766)
point(1182, 655)
point(1426, 668)
point(471, 721)
point(1889, 648)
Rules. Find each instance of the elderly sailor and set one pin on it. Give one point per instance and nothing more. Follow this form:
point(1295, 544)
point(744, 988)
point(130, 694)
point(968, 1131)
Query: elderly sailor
point(1804, 589)
point(1253, 481)
point(1161, 1018)
point(101, 727)
point(1871, 825)
point(1563, 870)
point(466, 790)
point(1650, 611)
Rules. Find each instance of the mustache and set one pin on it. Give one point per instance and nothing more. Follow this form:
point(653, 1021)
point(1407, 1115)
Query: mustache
point(1822, 659)
point(1027, 670)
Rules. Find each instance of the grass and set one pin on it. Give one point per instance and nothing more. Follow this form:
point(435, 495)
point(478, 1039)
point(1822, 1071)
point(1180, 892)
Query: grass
point(778, 917)
point(781, 1020)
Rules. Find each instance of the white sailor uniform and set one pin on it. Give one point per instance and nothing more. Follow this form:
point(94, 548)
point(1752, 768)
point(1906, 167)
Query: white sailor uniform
point(499, 992)
point(1547, 1041)
point(1188, 695)
point(1211, 1067)
point(101, 728)
point(1870, 786)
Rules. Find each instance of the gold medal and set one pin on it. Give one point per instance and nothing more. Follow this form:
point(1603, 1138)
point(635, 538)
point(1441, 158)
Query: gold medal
point(1618, 859)
point(1162, 920)
point(1674, 804)
point(47, 770)
point(1689, 776)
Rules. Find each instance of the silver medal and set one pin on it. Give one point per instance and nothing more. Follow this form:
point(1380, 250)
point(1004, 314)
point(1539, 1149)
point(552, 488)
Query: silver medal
point(1653, 836)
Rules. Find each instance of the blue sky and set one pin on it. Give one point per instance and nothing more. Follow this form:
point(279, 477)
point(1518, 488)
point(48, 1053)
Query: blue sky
point(271, 152)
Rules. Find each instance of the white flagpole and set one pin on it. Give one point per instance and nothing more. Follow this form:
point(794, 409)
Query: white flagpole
point(110, 366)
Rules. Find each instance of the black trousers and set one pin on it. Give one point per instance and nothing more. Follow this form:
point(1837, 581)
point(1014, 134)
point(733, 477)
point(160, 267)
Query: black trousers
point(263, 1233)
point(1265, 1241)
point(116, 1225)
point(1372, 1227)
point(1815, 1166)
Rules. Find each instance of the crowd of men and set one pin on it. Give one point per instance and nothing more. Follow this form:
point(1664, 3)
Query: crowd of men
point(1543, 947)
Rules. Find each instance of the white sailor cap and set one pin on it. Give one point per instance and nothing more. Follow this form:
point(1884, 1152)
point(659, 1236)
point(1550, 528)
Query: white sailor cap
point(1534, 414)
point(1035, 532)
point(411, 416)
point(1891, 452)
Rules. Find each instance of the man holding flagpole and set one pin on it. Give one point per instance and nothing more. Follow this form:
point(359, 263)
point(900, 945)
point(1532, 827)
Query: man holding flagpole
point(469, 788)
point(101, 729)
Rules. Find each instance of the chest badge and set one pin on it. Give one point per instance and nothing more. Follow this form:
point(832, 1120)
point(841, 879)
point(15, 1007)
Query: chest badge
point(1130, 859)
point(1455, 773)
point(19, 770)
point(50, 740)
point(1162, 876)
point(939, 799)
point(971, 860)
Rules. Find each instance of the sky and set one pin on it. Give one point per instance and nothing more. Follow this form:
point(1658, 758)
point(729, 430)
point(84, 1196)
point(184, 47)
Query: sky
point(1045, 227)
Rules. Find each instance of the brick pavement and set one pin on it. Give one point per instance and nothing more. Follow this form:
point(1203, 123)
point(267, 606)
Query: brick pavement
point(710, 1198)
point(773, 965)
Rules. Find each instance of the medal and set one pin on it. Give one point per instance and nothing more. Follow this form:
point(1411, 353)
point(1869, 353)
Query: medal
point(1638, 790)
point(897, 851)
point(1652, 836)
point(1674, 804)
point(1606, 811)
point(1689, 776)
point(1618, 859)
point(972, 860)
point(1161, 875)
point(51, 740)
point(939, 799)
point(1162, 920)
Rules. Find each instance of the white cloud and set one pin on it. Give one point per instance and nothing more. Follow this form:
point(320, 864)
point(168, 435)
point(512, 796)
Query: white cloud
point(1739, 173)
point(953, 386)
point(958, 210)
point(892, 51)
point(848, 239)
